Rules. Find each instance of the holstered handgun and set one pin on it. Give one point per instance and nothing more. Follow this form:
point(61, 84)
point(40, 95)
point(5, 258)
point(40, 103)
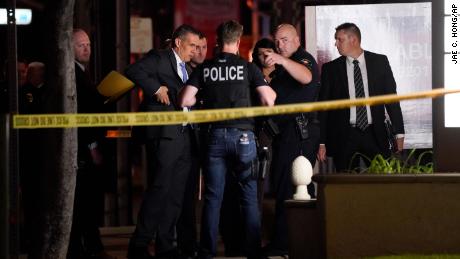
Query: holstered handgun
point(270, 128)
point(302, 126)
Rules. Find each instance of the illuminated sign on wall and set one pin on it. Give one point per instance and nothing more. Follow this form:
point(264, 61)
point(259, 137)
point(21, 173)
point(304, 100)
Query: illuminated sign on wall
point(451, 62)
point(23, 16)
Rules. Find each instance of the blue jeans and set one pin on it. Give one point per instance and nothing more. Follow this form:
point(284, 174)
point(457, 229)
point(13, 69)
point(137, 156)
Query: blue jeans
point(230, 149)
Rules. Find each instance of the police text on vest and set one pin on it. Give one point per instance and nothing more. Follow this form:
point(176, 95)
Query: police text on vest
point(223, 73)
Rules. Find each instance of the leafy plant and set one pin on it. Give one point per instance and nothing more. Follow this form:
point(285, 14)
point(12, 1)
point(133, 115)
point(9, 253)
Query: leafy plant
point(394, 165)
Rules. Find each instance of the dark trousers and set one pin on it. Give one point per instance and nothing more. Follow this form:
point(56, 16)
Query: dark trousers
point(30, 176)
point(187, 233)
point(88, 209)
point(169, 163)
point(287, 147)
point(187, 237)
point(358, 141)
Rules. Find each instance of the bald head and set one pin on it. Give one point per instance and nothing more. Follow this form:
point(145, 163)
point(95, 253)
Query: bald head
point(82, 46)
point(36, 73)
point(286, 27)
point(286, 39)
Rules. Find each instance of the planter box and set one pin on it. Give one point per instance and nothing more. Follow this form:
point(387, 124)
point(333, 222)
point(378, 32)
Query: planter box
point(371, 215)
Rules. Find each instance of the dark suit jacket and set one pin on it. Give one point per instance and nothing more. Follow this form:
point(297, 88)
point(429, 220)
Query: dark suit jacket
point(157, 68)
point(334, 86)
point(88, 101)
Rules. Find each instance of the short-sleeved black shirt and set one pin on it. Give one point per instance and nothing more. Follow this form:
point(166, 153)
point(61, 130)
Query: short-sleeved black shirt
point(288, 89)
point(227, 81)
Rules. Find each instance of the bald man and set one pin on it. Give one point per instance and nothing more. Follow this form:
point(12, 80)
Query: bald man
point(85, 241)
point(295, 80)
point(36, 74)
point(30, 100)
point(30, 94)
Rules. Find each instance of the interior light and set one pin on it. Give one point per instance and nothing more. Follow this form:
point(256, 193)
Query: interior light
point(23, 16)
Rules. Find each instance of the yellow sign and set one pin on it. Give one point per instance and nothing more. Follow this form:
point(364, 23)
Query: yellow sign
point(200, 116)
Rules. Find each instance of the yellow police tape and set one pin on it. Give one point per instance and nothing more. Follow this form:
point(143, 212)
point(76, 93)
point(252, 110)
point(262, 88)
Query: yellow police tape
point(200, 116)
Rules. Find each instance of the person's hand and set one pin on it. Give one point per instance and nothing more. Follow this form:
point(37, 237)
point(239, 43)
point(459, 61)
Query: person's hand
point(272, 58)
point(399, 144)
point(96, 155)
point(162, 95)
point(321, 155)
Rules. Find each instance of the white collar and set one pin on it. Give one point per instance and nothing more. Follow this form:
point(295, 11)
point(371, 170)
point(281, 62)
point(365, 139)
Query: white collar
point(360, 59)
point(80, 65)
point(178, 60)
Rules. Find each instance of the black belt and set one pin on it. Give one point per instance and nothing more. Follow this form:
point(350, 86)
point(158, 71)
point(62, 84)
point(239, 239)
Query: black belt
point(229, 129)
point(239, 127)
point(354, 125)
point(186, 128)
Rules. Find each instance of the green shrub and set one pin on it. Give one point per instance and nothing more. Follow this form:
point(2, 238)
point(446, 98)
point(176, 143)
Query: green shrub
point(394, 165)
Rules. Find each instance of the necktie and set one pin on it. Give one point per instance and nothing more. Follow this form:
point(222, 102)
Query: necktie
point(184, 72)
point(361, 113)
point(184, 79)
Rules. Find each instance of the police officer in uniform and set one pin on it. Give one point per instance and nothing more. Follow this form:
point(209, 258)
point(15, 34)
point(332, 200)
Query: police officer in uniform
point(295, 80)
point(227, 81)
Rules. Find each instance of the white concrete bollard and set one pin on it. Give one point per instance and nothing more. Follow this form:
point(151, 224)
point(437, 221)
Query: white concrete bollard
point(301, 177)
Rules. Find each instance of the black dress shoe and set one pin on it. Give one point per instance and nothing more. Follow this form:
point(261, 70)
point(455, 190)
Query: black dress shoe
point(102, 255)
point(170, 254)
point(271, 250)
point(188, 255)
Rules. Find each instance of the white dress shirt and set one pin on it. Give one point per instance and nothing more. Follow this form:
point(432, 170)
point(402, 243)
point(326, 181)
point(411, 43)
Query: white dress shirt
point(179, 72)
point(178, 62)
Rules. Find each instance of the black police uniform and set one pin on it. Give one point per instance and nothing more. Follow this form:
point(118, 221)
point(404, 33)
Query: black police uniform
point(228, 81)
point(30, 101)
point(290, 143)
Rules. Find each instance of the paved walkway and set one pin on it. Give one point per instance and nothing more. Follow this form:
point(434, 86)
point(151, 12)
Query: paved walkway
point(116, 239)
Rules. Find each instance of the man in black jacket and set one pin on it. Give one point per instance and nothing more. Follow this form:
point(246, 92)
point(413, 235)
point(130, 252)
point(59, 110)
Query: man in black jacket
point(85, 241)
point(161, 74)
point(357, 74)
point(186, 226)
